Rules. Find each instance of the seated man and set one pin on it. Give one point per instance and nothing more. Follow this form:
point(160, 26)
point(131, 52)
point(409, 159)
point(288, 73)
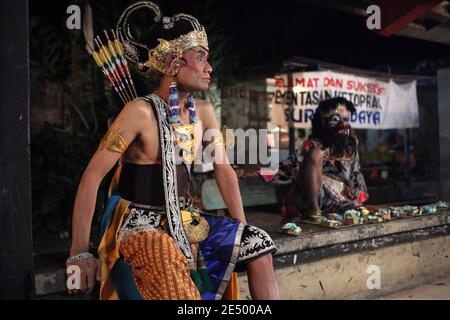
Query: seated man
point(155, 244)
point(329, 177)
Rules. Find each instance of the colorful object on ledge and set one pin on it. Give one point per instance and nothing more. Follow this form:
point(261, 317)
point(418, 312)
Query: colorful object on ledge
point(353, 220)
point(376, 215)
point(374, 218)
point(397, 212)
point(364, 211)
point(352, 213)
point(331, 223)
point(383, 213)
point(442, 205)
point(335, 216)
point(291, 229)
point(429, 208)
point(412, 210)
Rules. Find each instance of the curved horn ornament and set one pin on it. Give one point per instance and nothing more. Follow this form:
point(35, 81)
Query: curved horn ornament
point(130, 45)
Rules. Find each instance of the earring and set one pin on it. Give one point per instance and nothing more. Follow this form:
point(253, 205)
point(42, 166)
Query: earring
point(174, 107)
point(191, 106)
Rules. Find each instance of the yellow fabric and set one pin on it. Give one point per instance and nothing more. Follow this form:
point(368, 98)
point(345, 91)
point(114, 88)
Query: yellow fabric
point(144, 243)
point(106, 289)
point(232, 290)
point(108, 251)
point(115, 179)
point(159, 269)
point(186, 216)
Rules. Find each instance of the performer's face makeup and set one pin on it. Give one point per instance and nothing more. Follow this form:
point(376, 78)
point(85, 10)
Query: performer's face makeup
point(338, 122)
point(195, 74)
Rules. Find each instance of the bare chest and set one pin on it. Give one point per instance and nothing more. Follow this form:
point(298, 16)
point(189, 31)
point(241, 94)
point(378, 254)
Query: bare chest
point(146, 148)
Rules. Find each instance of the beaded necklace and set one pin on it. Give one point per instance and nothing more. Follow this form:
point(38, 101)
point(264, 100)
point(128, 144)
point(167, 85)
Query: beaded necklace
point(184, 133)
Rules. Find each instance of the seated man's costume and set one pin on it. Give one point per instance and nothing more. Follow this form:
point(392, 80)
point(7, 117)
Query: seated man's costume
point(342, 184)
point(155, 244)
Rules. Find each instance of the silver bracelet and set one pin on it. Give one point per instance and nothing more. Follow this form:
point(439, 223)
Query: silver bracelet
point(79, 257)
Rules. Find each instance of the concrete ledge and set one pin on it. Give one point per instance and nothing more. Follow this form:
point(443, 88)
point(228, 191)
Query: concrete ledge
point(340, 249)
point(50, 282)
point(333, 263)
point(347, 276)
point(316, 236)
point(319, 247)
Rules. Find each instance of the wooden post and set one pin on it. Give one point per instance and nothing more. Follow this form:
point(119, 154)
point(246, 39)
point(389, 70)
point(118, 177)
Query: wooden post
point(16, 260)
point(443, 77)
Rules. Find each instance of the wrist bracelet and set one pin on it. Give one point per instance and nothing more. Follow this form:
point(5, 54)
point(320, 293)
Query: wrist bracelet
point(79, 257)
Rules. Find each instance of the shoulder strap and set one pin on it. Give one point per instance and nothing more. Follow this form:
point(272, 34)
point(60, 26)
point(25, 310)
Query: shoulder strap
point(166, 137)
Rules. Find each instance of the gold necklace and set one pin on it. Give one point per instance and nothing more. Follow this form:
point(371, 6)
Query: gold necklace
point(184, 137)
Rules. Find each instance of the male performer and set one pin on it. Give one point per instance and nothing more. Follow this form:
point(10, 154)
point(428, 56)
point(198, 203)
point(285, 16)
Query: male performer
point(329, 177)
point(155, 245)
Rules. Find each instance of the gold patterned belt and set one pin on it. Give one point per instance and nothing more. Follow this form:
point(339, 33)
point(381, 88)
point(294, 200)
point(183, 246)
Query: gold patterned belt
point(184, 202)
point(148, 217)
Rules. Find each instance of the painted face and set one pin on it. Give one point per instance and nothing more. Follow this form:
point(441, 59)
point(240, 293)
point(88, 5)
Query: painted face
point(338, 122)
point(196, 73)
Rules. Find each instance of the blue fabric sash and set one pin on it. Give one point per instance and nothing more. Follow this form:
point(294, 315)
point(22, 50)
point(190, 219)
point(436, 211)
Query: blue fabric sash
point(220, 251)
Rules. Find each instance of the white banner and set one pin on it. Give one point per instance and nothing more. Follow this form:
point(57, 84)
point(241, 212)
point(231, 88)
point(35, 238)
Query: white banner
point(379, 104)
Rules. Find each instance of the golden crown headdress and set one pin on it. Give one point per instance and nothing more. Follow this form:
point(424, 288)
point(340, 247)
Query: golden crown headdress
point(178, 34)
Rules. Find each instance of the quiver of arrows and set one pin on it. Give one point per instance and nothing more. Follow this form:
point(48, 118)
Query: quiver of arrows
point(110, 58)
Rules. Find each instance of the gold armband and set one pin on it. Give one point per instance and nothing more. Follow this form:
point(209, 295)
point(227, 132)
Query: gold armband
point(113, 142)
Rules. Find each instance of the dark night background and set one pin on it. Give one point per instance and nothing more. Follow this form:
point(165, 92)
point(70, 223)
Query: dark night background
point(70, 103)
point(265, 33)
point(56, 105)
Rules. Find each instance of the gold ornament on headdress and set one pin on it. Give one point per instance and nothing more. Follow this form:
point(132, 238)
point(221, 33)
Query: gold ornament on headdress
point(157, 56)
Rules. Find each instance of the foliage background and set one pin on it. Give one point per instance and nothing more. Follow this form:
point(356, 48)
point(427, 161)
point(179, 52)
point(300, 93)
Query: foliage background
point(71, 103)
